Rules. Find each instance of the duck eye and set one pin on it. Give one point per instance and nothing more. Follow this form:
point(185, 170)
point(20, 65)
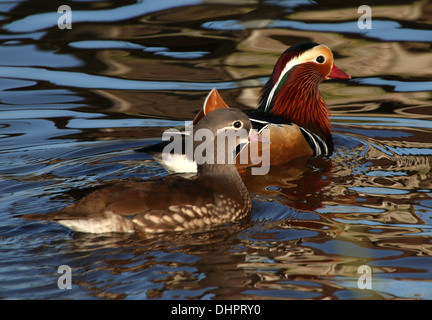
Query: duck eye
point(237, 124)
point(320, 59)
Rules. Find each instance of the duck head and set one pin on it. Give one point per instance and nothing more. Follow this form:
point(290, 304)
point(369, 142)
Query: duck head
point(223, 130)
point(292, 90)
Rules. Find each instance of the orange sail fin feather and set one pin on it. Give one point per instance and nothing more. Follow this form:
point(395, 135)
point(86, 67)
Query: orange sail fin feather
point(212, 102)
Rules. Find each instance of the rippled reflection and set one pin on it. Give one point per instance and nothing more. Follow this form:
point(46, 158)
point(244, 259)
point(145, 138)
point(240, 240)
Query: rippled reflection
point(74, 104)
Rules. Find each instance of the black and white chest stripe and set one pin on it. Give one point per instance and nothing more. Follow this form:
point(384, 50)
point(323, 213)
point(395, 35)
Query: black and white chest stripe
point(318, 145)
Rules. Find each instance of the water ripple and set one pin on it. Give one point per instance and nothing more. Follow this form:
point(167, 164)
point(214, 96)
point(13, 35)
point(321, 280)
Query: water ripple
point(89, 81)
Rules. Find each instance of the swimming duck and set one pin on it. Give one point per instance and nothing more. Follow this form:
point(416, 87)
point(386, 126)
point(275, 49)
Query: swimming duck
point(291, 112)
point(216, 195)
point(290, 104)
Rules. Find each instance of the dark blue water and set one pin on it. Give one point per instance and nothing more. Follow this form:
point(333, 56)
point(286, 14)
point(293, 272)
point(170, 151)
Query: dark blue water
point(75, 103)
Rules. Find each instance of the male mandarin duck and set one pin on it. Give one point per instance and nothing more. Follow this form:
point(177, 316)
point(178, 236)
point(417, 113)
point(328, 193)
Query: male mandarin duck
point(291, 106)
point(291, 112)
point(216, 195)
point(291, 96)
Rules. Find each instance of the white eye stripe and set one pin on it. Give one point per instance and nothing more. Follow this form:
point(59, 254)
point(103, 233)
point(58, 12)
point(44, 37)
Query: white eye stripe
point(289, 66)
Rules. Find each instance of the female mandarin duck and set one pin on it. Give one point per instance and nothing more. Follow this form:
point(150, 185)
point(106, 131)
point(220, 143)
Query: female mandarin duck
point(290, 106)
point(216, 195)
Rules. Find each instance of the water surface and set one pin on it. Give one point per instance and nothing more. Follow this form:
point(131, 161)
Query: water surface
point(75, 103)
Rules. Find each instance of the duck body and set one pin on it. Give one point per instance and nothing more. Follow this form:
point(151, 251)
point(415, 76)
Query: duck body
point(154, 206)
point(216, 195)
point(289, 141)
point(291, 112)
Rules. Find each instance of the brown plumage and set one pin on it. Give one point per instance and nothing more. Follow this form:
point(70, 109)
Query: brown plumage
point(215, 196)
point(300, 100)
